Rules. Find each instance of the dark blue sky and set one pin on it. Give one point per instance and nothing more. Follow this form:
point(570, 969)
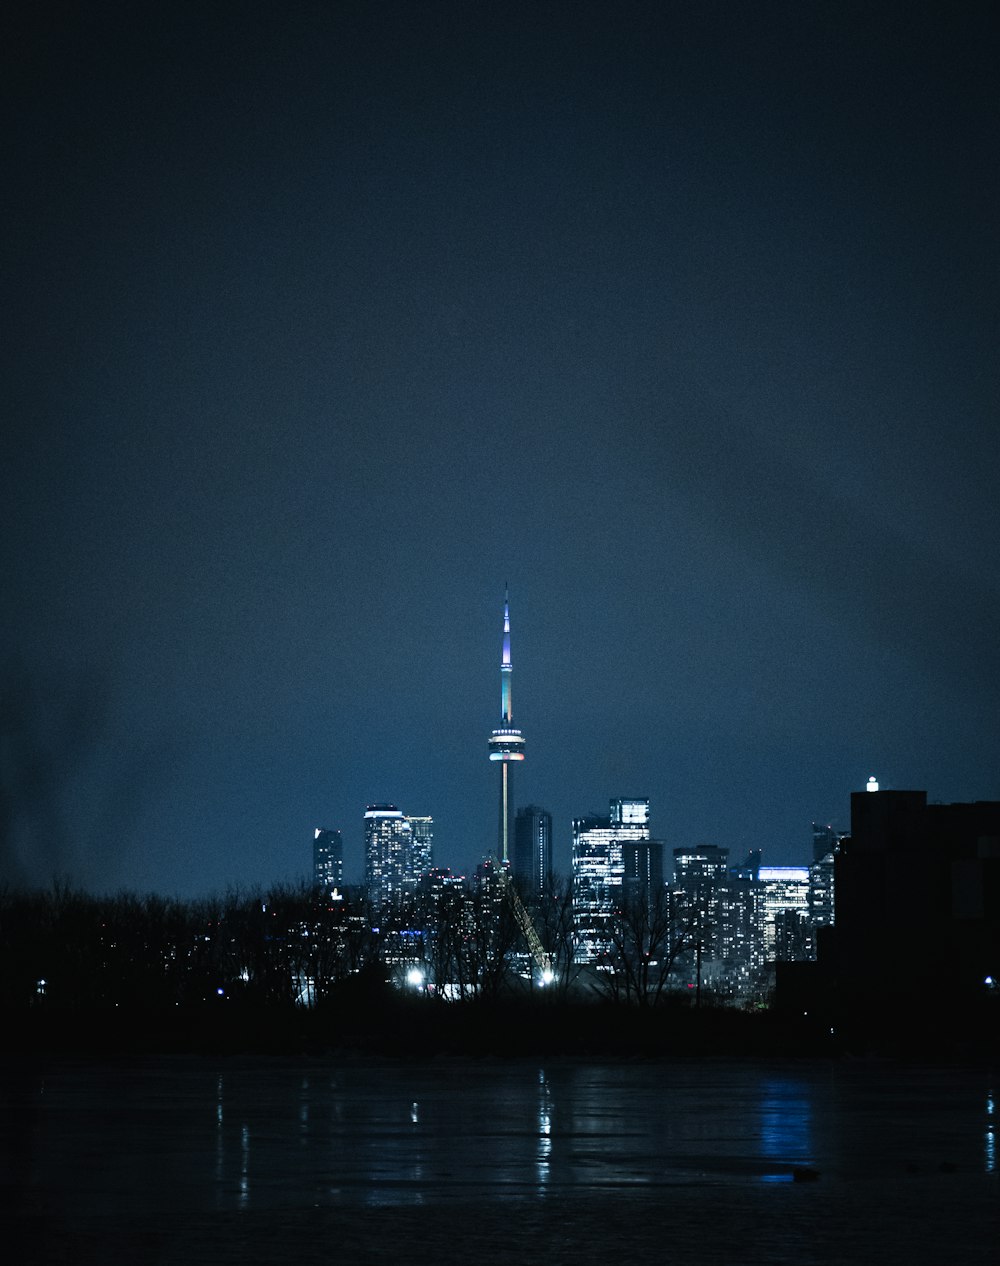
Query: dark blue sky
point(325, 320)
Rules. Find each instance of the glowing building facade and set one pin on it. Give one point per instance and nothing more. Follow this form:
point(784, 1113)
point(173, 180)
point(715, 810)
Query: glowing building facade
point(328, 859)
point(599, 873)
point(389, 873)
point(788, 930)
point(506, 743)
point(423, 846)
point(713, 914)
point(826, 845)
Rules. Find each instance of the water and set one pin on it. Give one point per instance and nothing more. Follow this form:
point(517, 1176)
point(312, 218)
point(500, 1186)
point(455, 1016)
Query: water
point(685, 1161)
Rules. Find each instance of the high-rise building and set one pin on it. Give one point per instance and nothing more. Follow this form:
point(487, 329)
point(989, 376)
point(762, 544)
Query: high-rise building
point(642, 869)
point(711, 916)
point(822, 906)
point(423, 846)
point(438, 880)
point(789, 934)
point(630, 813)
point(328, 858)
point(533, 848)
point(599, 873)
point(826, 845)
point(389, 871)
point(700, 866)
point(506, 743)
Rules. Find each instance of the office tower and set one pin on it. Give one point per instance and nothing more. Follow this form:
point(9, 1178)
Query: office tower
point(599, 872)
point(709, 914)
point(388, 854)
point(446, 917)
point(438, 880)
point(822, 906)
point(741, 946)
point(826, 845)
point(701, 866)
point(328, 859)
point(642, 870)
point(630, 813)
point(533, 849)
point(506, 743)
point(423, 845)
point(788, 932)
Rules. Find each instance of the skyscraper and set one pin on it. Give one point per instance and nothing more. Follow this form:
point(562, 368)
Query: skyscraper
point(506, 743)
point(423, 845)
point(328, 859)
point(707, 912)
point(599, 872)
point(826, 845)
point(533, 848)
point(388, 854)
point(642, 870)
point(789, 935)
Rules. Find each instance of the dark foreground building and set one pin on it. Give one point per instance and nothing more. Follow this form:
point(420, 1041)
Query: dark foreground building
point(917, 936)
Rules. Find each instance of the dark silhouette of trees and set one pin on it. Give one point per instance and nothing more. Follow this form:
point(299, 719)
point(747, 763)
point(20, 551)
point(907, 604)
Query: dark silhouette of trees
point(553, 917)
point(645, 946)
point(65, 951)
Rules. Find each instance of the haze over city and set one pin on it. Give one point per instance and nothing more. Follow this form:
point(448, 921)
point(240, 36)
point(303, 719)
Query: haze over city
point(327, 322)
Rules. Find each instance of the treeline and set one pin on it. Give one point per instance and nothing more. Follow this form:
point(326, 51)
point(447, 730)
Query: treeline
point(291, 969)
point(63, 949)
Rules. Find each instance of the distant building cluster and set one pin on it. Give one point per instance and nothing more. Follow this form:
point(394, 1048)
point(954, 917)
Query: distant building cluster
point(716, 926)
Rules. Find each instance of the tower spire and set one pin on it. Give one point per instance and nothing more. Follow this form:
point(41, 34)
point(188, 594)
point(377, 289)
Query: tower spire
point(505, 664)
point(506, 743)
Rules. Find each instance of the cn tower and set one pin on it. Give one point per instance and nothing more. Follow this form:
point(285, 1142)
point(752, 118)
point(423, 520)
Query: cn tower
point(506, 743)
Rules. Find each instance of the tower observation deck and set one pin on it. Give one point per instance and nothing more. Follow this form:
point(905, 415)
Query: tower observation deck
point(506, 743)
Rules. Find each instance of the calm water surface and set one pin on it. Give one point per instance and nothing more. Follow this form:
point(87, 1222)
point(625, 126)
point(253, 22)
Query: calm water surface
point(190, 1159)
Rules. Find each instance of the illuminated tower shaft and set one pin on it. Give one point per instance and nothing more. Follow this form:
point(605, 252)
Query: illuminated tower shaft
point(506, 743)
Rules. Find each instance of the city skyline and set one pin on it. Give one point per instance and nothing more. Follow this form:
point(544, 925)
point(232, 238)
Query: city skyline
point(507, 744)
point(324, 324)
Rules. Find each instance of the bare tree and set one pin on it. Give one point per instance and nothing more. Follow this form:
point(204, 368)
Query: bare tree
point(553, 915)
point(645, 947)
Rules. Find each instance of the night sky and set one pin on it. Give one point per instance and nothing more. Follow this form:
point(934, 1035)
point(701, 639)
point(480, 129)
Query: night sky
point(324, 321)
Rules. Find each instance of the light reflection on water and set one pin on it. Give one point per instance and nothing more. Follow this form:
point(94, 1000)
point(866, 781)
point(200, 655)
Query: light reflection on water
point(785, 1119)
point(544, 1131)
point(264, 1135)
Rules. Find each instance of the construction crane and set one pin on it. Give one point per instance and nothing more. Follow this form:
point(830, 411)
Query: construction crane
point(542, 960)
